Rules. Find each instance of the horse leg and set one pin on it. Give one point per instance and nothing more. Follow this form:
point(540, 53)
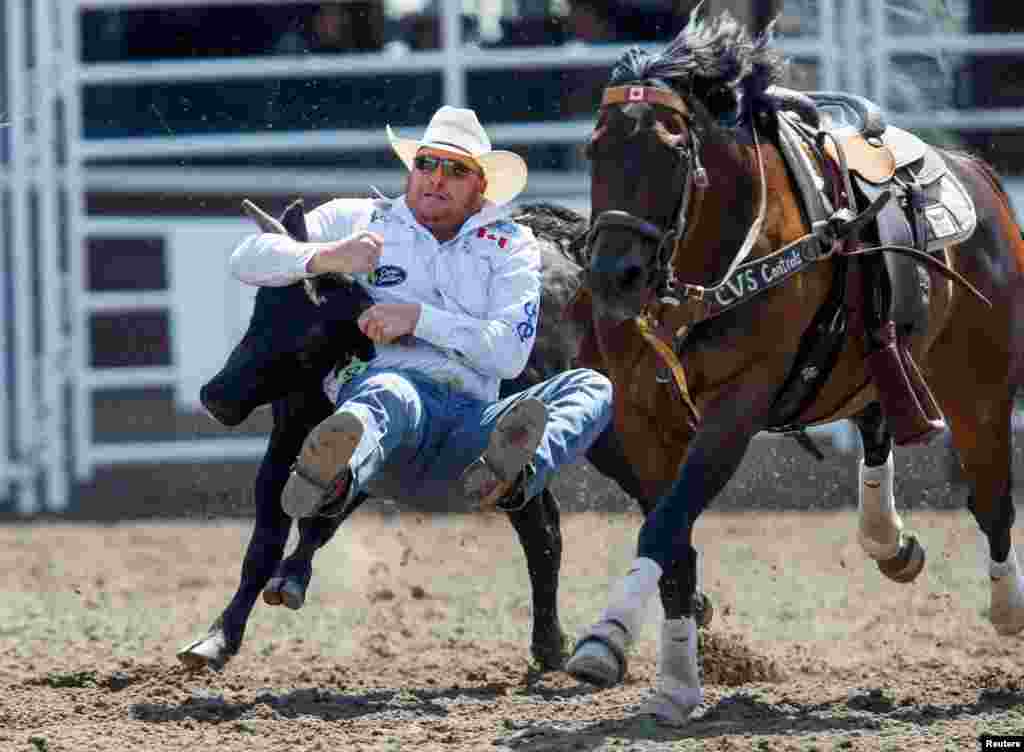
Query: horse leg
point(711, 460)
point(538, 525)
point(294, 416)
point(608, 459)
point(1006, 611)
point(978, 379)
point(899, 556)
point(291, 580)
point(983, 439)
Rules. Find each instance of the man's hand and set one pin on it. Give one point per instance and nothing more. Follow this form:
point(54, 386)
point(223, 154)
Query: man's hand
point(386, 322)
point(358, 253)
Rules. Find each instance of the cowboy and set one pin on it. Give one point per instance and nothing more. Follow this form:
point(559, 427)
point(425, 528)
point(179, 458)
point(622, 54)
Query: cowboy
point(456, 289)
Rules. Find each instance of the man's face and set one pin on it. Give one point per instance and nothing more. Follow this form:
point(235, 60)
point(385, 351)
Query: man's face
point(444, 189)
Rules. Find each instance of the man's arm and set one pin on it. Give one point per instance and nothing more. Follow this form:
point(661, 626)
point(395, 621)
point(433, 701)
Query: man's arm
point(499, 345)
point(273, 260)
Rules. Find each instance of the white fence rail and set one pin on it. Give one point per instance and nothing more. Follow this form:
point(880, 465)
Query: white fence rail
point(46, 414)
point(36, 378)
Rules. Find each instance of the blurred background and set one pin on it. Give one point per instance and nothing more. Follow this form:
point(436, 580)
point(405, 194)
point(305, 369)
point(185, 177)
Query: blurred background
point(132, 130)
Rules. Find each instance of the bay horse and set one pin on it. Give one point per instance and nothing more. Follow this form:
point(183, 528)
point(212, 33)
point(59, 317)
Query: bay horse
point(739, 226)
point(296, 334)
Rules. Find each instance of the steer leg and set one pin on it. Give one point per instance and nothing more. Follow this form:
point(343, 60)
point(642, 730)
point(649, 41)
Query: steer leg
point(291, 580)
point(540, 533)
point(294, 416)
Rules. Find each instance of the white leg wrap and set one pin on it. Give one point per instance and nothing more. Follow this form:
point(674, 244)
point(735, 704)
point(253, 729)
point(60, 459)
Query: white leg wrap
point(630, 598)
point(678, 690)
point(880, 526)
point(601, 652)
point(1007, 607)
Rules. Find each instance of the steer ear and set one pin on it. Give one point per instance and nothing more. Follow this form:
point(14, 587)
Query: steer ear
point(265, 221)
point(294, 221)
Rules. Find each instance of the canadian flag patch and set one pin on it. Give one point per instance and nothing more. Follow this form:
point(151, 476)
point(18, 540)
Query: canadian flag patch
point(635, 94)
point(482, 233)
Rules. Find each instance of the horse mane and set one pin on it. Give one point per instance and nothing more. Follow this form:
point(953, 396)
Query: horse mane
point(716, 61)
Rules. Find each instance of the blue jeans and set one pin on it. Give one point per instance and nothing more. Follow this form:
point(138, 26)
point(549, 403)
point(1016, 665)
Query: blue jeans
point(419, 436)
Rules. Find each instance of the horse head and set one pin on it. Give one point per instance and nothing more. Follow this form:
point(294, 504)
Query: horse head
point(642, 153)
point(666, 122)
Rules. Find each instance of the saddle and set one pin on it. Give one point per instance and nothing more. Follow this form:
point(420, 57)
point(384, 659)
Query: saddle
point(913, 201)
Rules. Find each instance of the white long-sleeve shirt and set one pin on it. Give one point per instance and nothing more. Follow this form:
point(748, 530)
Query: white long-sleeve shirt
point(479, 293)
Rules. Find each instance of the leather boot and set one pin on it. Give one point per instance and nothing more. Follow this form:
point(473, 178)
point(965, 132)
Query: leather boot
point(911, 413)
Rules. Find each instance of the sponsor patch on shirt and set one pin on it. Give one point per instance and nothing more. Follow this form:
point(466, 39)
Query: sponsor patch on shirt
point(387, 276)
point(485, 232)
point(527, 328)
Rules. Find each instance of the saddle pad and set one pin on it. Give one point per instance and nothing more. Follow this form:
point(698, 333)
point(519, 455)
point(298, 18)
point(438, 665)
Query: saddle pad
point(950, 212)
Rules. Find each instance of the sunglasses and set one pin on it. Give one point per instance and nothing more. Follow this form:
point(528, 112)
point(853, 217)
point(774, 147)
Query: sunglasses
point(450, 168)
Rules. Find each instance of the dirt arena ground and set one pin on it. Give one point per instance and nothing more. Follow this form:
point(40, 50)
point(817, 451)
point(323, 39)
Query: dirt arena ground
point(416, 630)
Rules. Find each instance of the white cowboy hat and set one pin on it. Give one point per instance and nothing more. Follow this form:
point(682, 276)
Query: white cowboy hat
point(459, 131)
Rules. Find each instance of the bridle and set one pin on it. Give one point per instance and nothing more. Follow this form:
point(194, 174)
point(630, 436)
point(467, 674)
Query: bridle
point(695, 183)
point(695, 178)
point(660, 276)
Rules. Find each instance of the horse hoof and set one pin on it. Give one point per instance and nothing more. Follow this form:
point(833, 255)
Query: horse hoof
point(286, 591)
point(703, 610)
point(600, 656)
point(908, 562)
point(211, 651)
point(1007, 610)
point(593, 662)
point(672, 710)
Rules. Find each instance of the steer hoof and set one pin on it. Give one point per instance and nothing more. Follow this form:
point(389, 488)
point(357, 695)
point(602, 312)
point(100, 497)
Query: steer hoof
point(289, 584)
point(285, 591)
point(212, 651)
